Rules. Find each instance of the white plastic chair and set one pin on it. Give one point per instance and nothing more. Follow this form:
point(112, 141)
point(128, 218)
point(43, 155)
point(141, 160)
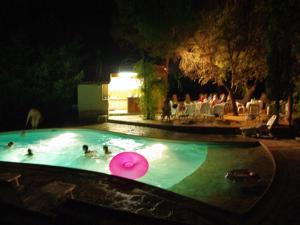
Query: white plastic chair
point(190, 109)
point(240, 107)
point(253, 112)
point(218, 110)
point(260, 130)
point(205, 110)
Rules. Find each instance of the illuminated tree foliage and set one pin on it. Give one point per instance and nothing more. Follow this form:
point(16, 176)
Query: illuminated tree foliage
point(227, 48)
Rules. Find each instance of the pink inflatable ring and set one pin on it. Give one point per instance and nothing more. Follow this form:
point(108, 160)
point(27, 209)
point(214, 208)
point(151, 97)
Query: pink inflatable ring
point(130, 165)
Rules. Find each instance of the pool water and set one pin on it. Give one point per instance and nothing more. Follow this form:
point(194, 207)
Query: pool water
point(169, 161)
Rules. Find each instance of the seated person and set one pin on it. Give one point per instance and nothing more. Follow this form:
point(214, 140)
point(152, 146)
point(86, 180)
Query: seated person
point(214, 100)
point(222, 98)
point(181, 108)
point(174, 105)
point(87, 152)
point(202, 97)
point(29, 152)
point(174, 100)
point(209, 98)
point(105, 149)
point(187, 99)
point(205, 98)
point(9, 144)
point(166, 110)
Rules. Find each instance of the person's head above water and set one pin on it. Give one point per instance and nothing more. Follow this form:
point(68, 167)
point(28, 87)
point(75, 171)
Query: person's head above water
point(85, 148)
point(105, 149)
point(29, 152)
point(9, 144)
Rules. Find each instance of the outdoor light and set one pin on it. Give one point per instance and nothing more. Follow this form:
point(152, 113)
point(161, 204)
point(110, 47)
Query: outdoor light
point(127, 74)
point(126, 69)
point(124, 83)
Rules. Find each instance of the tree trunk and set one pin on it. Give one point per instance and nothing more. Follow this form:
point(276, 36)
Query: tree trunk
point(148, 96)
point(146, 93)
point(249, 93)
point(233, 102)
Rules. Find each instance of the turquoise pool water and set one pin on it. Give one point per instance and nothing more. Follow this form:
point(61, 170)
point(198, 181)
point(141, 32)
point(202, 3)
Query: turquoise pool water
point(169, 161)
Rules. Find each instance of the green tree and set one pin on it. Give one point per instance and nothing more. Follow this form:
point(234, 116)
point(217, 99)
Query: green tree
point(152, 88)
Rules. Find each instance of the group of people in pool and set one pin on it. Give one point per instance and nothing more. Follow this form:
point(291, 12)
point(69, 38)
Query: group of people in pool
point(85, 148)
point(91, 153)
point(29, 151)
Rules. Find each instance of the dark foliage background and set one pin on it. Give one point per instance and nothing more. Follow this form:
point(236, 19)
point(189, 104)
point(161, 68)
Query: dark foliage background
point(46, 49)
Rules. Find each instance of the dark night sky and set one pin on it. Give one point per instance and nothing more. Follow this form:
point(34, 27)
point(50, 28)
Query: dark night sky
point(51, 23)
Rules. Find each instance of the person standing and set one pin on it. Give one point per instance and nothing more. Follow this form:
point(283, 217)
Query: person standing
point(35, 117)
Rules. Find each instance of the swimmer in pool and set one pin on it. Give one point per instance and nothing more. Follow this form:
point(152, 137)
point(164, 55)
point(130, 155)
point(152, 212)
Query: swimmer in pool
point(105, 149)
point(29, 152)
point(9, 144)
point(87, 152)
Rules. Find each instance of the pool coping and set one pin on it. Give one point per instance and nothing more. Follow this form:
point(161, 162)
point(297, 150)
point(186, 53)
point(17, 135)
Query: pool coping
point(212, 137)
point(245, 141)
point(266, 149)
point(182, 127)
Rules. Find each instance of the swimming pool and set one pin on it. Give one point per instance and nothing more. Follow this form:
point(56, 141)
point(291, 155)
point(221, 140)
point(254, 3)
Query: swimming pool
point(169, 161)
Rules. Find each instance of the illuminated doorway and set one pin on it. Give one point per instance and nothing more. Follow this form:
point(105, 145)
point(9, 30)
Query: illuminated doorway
point(123, 93)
